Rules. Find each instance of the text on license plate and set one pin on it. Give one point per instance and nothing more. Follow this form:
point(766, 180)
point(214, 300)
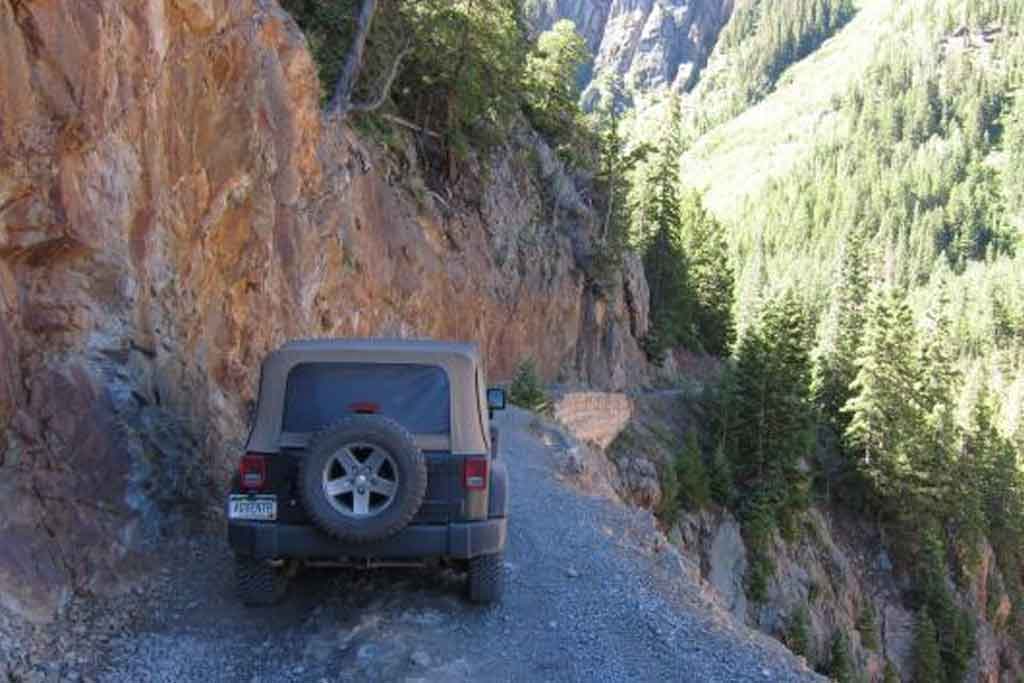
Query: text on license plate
point(252, 507)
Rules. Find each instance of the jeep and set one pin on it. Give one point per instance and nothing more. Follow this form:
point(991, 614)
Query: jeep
point(370, 453)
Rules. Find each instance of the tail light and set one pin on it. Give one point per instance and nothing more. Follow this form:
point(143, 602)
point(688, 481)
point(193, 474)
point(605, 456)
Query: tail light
point(253, 471)
point(475, 474)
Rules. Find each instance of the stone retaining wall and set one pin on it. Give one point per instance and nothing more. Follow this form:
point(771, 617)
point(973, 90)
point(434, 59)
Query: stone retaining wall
point(594, 417)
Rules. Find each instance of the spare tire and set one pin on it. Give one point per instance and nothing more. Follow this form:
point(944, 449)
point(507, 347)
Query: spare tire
point(362, 479)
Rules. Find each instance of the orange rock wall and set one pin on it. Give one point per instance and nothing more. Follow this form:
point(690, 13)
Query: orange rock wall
point(172, 206)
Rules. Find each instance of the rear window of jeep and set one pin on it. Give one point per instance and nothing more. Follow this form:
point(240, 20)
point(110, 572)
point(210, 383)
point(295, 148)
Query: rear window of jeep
point(415, 396)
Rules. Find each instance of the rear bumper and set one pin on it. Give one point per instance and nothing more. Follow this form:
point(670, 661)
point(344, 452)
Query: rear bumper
point(270, 540)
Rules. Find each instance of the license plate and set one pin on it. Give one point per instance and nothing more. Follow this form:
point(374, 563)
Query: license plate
point(252, 507)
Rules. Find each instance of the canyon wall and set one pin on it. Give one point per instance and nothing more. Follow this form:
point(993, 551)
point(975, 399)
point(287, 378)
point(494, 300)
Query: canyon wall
point(651, 44)
point(172, 206)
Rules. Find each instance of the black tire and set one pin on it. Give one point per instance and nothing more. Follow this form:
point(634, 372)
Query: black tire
point(411, 487)
point(486, 578)
point(258, 582)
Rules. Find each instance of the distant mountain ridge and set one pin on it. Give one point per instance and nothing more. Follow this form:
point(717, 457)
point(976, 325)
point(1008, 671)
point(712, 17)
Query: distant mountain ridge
point(650, 44)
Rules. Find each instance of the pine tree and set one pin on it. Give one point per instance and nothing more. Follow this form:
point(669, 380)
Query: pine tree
point(692, 475)
point(723, 489)
point(666, 263)
point(770, 406)
point(616, 160)
point(1013, 189)
point(887, 424)
point(867, 626)
point(927, 662)
point(835, 359)
point(840, 662)
point(958, 647)
point(937, 388)
point(711, 275)
point(797, 632)
point(551, 74)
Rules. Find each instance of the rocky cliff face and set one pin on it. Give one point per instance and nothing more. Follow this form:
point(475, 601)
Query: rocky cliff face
point(172, 206)
point(650, 43)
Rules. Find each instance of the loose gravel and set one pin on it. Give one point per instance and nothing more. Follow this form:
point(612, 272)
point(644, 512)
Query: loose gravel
point(591, 597)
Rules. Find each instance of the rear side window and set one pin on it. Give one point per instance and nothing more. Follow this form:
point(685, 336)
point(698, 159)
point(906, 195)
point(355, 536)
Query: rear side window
point(415, 396)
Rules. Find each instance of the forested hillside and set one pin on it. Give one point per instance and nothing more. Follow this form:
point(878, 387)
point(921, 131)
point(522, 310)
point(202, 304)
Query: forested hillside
point(880, 307)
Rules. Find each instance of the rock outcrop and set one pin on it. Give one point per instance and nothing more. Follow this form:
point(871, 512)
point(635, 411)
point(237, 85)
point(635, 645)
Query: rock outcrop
point(173, 206)
point(651, 44)
point(593, 416)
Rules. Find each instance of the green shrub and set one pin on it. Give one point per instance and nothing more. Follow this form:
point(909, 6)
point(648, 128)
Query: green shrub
point(840, 666)
point(890, 675)
point(692, 475)
point(927, 662)
point(798, 631)
point(758, 526)
point(723, 488)
point(526, 390)
point(867, 626)
point(668, 508)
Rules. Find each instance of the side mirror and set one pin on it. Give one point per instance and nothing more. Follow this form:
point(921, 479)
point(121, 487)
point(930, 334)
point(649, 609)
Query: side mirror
point(496, 399)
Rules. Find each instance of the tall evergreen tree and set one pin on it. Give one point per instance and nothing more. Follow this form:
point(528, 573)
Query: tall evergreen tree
point(1013, 187)
point(927, 662)
point(770, 406)
point(840, 662)
point(666, 263)
point(617, 159)
point(552, 90)
point(937, 390)
point(836, 356)
point(886, 421)
point(711, 275)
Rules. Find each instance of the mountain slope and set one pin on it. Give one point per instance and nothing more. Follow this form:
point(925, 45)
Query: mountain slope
point(735, 159)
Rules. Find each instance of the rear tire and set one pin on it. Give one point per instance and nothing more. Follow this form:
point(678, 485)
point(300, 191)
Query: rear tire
point(487, 578)
point(375, 431)
point(260, 584)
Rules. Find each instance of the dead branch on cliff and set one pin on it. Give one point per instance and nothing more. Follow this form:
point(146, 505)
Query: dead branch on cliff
point(341, 101)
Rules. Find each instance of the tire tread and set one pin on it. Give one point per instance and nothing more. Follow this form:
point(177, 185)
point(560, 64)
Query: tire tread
point(487, 578)
point(258, 583)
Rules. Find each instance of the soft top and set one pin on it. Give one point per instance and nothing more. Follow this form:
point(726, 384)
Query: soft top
point(459, 360)
point(428, 347)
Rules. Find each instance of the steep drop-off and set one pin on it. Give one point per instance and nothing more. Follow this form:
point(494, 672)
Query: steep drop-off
point(172, 206)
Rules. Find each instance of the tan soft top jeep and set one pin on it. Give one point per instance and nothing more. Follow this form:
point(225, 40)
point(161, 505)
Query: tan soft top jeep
point(370, 451)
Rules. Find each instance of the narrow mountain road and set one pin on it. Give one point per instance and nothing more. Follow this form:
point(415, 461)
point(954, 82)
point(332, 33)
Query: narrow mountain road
point(585, 602)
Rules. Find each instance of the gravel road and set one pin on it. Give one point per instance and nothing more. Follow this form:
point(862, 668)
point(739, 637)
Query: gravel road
point(588, 599)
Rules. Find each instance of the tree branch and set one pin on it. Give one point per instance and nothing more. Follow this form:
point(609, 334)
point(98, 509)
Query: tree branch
point(410, 125)
point(354, 60)
point(385, 87)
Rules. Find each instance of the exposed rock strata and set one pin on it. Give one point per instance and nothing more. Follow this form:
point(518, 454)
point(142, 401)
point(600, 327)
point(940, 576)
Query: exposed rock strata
point(649, 43)
point(172, 206)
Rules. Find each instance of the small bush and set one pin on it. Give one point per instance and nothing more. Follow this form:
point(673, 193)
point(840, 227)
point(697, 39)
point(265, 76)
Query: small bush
point(692, 475)
point(867, 626)
point(668, 508)
point(927, 662)
point(758, 526)
point(840, 666)
point(526, 390)
point(798, 631)
point(723, 490)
